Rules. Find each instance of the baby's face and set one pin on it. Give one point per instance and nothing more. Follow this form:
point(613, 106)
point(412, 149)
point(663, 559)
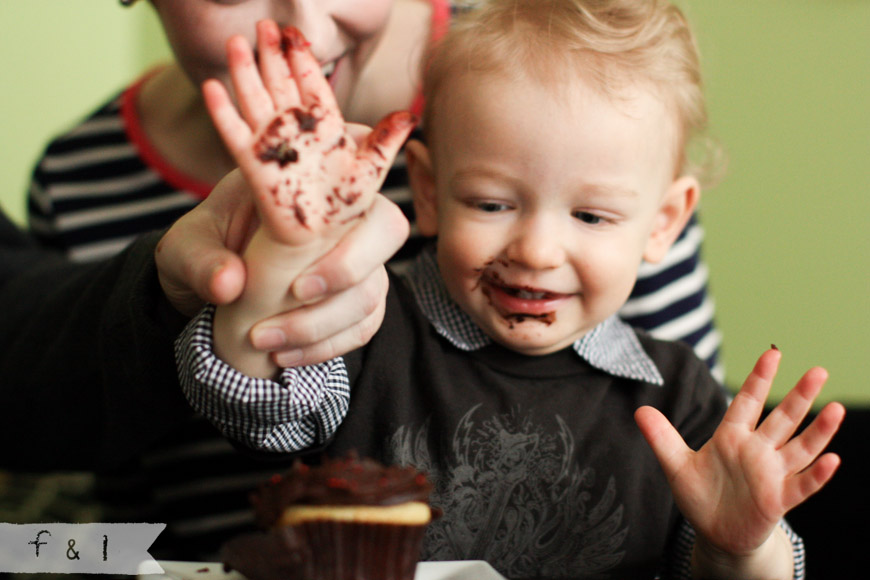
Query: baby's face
point(547, 203)
point(342, 33)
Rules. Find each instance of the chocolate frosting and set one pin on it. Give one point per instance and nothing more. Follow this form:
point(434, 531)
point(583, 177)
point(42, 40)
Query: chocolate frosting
point(342, 481)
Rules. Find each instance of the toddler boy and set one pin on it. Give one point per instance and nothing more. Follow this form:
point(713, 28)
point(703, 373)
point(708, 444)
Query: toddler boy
point(554, 166)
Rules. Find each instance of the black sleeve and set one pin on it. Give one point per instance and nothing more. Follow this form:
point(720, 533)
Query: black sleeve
point(87, 371)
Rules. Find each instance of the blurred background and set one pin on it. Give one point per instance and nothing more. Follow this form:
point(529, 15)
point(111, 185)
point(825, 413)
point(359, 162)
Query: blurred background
point(788, 83)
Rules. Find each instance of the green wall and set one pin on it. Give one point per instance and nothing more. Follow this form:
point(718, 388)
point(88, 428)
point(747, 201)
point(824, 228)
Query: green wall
point(789, 91)
point(787, 241)
point(62, 58)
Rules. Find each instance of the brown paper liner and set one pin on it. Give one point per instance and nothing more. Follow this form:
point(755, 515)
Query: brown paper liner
point(360, 551)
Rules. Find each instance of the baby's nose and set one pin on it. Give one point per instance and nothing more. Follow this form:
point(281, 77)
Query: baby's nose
point(537, 245)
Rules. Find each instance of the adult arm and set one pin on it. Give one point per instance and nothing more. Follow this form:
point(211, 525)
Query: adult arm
point(87, 373)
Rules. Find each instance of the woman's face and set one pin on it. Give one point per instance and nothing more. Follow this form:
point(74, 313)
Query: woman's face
point(342, 33)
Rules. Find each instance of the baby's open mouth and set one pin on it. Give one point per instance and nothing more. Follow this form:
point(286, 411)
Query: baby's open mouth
point(519, 303)
point(495, 281)
point(527, 293)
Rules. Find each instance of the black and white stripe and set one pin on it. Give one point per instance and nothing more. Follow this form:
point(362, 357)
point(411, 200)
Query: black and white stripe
point(91, 193)
point(670, 300)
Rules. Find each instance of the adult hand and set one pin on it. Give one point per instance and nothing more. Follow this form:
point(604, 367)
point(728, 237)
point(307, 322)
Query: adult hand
point(198, 261)
point(352, 285)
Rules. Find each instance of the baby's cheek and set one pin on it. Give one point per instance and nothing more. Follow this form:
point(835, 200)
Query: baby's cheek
point(459, 260)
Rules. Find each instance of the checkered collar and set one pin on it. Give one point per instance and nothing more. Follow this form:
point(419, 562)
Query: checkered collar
point(612, 346)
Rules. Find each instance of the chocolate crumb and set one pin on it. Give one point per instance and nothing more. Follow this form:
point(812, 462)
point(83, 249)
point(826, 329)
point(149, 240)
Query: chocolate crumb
point(307, 121)
point(547, 318)
point(281, 153)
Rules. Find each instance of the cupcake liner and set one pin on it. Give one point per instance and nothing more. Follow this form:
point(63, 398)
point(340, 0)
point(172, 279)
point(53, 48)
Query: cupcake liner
point(361, 551)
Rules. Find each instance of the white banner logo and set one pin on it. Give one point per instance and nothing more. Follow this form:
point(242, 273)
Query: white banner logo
point(78, 548)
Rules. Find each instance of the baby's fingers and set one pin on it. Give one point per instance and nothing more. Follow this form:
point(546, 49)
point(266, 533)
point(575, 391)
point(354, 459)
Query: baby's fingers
point(255, 103)
point(274, 67)
point(787, 416)
point(233, 130)
point(748, 404)
point(806, 447)
point(803, 485)
point(313, 86)
point(384, 141)
point(665, 441)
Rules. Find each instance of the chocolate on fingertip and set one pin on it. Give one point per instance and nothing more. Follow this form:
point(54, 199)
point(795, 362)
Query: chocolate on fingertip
point(405, 119)
point(293, 38)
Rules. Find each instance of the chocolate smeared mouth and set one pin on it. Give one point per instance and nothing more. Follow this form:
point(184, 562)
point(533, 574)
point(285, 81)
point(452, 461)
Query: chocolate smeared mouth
point(527, 293)
point(523, 292)
point(491, 280)
point(547, 318)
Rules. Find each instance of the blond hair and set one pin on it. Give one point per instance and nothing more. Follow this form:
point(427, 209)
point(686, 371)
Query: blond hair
point(612, 44)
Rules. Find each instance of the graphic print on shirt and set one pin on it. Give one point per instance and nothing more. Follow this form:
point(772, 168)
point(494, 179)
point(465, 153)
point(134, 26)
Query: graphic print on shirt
point(512, 495)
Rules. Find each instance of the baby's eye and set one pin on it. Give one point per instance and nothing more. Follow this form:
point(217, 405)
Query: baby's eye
point(588, 218)
point(489, 206)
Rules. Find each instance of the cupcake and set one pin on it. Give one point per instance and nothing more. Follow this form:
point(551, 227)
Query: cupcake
point(346, 518)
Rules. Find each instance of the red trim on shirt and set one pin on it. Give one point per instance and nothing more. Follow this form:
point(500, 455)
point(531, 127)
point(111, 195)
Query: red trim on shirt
point(440, 23)
point(148, 153)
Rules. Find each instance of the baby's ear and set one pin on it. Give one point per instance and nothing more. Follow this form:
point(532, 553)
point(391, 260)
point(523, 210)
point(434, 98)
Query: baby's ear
point(423, 187)
point(676, 208)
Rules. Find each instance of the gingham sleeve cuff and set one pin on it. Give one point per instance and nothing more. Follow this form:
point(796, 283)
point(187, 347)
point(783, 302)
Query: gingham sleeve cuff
point(680, 558)
point(301, 409)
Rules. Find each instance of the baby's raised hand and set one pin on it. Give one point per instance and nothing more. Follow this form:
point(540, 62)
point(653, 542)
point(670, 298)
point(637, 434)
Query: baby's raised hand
point(309, 175)
point(311, 178)
point(737, 487)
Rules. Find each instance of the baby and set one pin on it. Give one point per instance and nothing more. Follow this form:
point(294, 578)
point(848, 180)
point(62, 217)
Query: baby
point(554, 166)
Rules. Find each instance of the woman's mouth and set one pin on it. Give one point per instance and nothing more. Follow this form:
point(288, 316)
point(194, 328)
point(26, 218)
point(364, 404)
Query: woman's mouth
point(330, 68)
point(327, 69)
